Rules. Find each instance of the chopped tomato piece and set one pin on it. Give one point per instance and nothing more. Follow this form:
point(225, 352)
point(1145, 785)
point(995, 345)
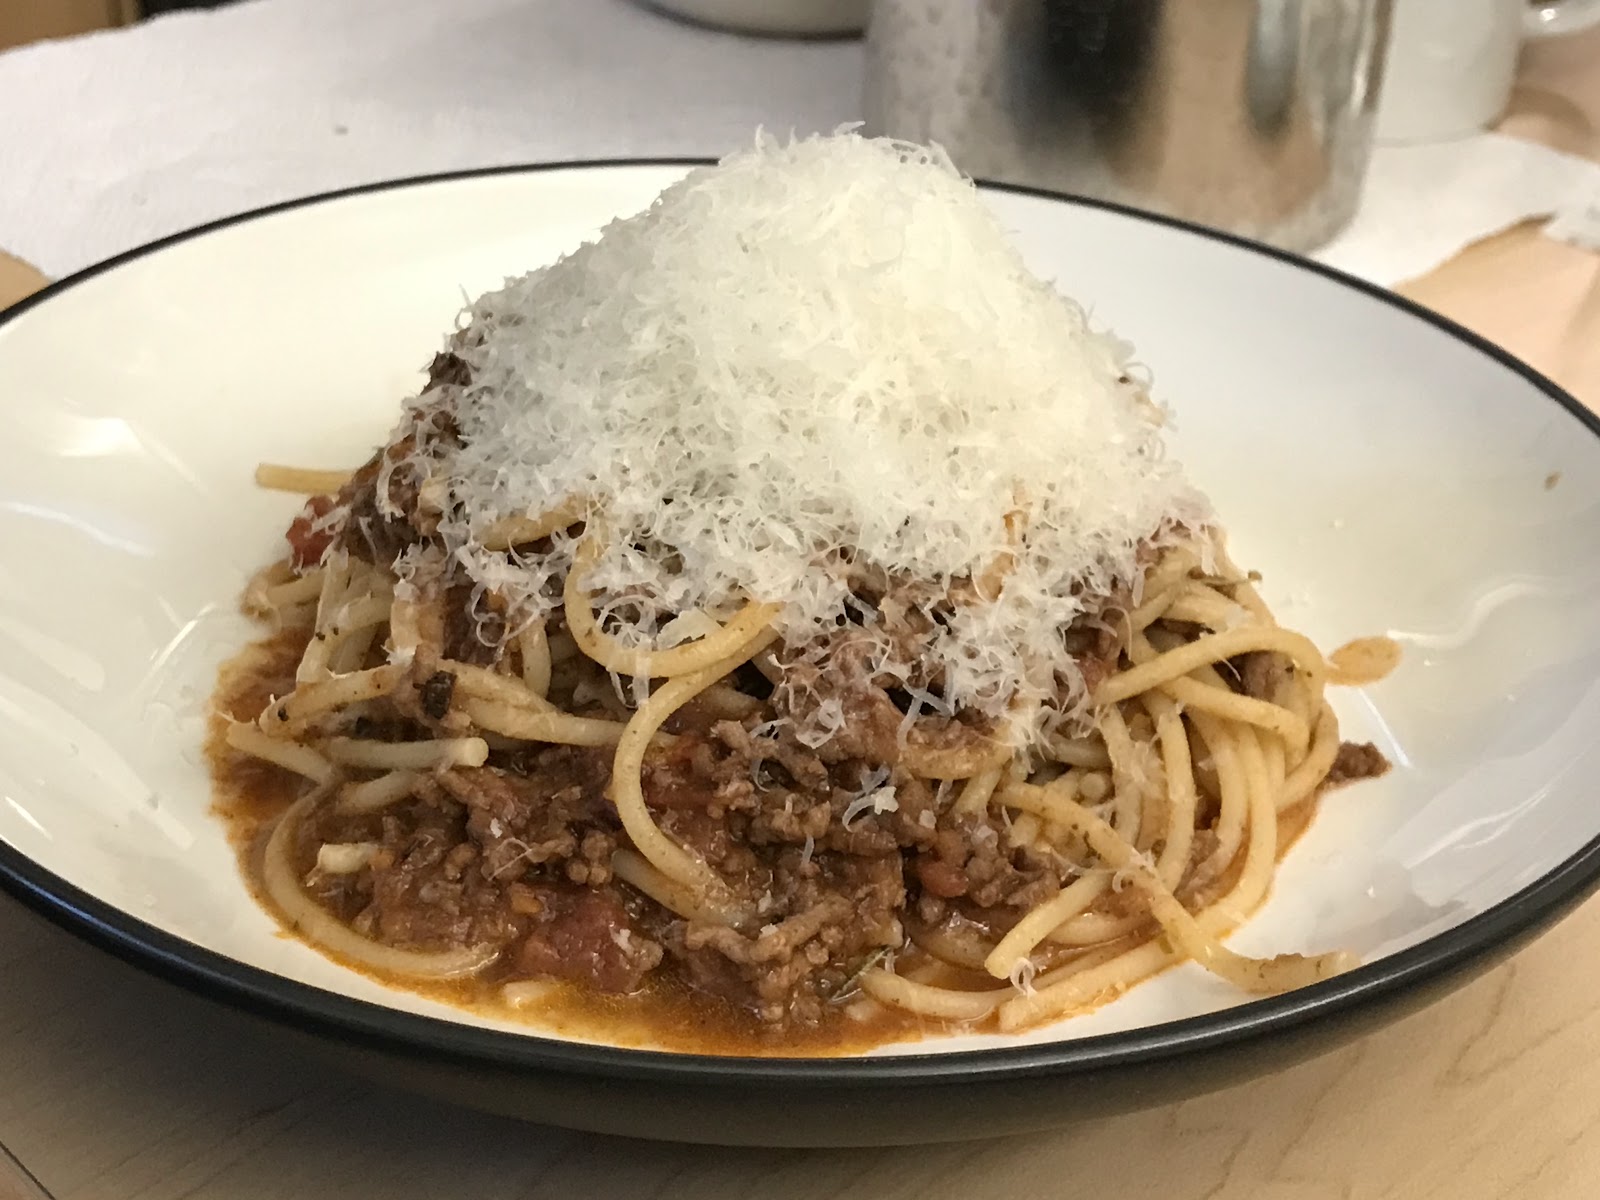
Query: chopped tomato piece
point(308, 537)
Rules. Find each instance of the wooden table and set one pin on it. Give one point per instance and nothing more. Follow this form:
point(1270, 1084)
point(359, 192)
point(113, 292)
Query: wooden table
point(113, 1086)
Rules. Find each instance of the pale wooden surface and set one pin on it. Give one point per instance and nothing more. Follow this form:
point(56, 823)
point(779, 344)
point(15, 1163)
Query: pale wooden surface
point(29, 20)
point(114, 1087)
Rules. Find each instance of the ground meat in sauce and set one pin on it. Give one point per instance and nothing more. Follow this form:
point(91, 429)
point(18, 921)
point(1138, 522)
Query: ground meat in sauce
point(377, 532)
point(448, 370)
point(1356, 760)
point(377, 529)
point(1095, 646)
point(494, 856)
point(584, 934)
point(1260, 673)
point(474, 629)
point(517, 854)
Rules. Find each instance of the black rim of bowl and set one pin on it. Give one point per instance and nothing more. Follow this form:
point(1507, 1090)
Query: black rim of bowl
point(376, 1026)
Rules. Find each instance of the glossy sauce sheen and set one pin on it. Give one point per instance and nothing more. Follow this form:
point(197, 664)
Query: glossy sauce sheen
point(250, 795)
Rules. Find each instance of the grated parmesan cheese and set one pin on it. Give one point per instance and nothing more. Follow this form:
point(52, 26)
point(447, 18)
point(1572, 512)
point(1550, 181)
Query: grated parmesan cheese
point(1021, 975)
point(876, 796)
point(344, 858)
point(814, 350)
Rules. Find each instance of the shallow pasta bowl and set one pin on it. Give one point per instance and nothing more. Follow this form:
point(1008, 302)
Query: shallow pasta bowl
point(1388, 472)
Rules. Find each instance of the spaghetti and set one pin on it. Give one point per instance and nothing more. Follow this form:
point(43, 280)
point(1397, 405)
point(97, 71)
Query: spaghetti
point(1147, 855)
point(670, 706)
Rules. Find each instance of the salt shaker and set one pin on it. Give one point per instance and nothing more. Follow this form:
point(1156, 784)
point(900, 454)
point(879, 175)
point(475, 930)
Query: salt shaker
point(1253, 116)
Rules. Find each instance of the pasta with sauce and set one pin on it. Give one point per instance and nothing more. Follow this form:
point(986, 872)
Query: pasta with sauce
point(787, 593)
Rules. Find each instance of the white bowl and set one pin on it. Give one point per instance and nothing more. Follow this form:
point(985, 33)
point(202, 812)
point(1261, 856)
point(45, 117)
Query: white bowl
point(1386, 471)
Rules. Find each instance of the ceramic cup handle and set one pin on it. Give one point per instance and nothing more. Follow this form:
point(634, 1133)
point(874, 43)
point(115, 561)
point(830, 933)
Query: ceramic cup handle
point(1552, 18)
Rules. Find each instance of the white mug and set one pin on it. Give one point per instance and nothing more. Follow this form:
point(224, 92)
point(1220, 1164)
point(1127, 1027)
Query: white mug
point(1451, 62)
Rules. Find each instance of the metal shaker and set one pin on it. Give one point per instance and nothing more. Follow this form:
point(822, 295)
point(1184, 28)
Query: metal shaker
point(1254, 116)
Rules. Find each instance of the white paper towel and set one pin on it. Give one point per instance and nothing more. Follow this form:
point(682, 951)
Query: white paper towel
point(1424, 203)
point(116, 138)
point(1579, 223)
point(112, 139)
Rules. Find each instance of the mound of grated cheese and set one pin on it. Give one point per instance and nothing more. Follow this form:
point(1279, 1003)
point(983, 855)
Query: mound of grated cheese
point(825, 345)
